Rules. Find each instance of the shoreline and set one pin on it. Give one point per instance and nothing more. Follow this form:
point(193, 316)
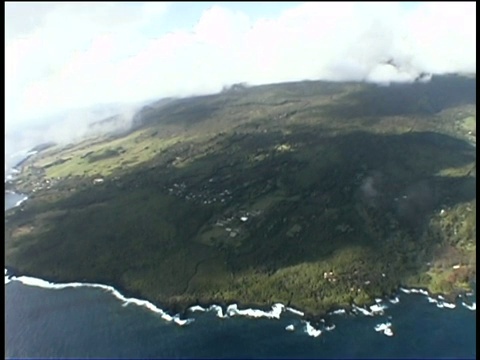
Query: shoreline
point(314, 325)
point(181, 309)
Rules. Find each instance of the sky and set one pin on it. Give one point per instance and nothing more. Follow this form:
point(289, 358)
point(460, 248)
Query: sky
point(66, 56)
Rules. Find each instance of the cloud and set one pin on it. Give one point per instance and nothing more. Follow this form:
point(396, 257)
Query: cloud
point(68, 55)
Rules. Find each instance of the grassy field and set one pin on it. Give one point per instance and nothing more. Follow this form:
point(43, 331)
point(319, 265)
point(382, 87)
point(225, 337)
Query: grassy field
point(312, 194)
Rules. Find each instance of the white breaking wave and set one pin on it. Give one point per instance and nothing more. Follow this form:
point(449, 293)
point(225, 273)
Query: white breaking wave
point(449, 305)
point(385, 328)
point(472, 307)
point(218, 310)
point(330, 328)
point(196, 308)
point(294, 311)
point(414, 291)
point(441, 304)
point(311, 331)
point(376, 309)
point(361, 310)
point(394, 300)
point(440, 300)
point(290, 328)
point(18, 203)
point(182, 322)
point(338, 312)
point(419, 291)
point(275, 313)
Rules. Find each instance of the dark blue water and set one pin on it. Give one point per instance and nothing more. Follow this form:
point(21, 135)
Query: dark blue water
point(88, 322)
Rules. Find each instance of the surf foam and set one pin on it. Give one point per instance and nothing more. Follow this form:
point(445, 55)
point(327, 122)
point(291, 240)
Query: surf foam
point(376, 309)
point(414, 291)
point(472, 307)
point(338, 312)
point(385, 328)
point(295, 311)
point(275, 313)
point(394, 300)
point(311, 331)
point(330, 328)
point(197, 308)
point(441, 304)
point(19, 202)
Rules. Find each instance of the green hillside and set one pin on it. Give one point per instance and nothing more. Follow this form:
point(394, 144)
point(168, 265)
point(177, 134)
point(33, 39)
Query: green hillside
point(313, 194)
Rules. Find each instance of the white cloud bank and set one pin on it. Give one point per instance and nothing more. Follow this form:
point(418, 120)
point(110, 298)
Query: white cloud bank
point(68, 55)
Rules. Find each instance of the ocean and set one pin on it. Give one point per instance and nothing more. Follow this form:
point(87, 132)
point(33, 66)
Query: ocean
point(89, 322)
